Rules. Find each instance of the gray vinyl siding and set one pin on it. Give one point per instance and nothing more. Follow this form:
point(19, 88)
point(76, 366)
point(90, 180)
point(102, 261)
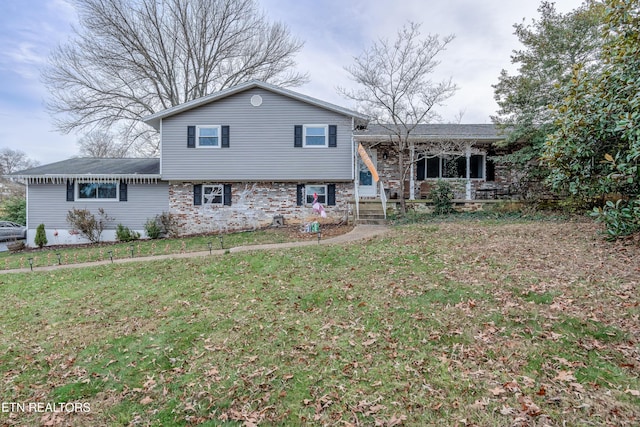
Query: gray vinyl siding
point(47, 205)
point(261, 142)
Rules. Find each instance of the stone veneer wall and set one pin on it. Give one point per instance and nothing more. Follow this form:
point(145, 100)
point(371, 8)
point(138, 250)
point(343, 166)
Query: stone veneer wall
point(388, 171)
point(253, 205)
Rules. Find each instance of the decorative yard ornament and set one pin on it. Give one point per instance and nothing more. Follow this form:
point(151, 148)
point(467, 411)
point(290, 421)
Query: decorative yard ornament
point(317, 207)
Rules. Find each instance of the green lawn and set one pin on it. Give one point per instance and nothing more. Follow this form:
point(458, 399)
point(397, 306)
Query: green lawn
point(456, 323)
point(100, 252)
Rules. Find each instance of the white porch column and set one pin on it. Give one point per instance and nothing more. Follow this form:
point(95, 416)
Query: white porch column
point(468, 185)
point(412, 186)
point(356, 175)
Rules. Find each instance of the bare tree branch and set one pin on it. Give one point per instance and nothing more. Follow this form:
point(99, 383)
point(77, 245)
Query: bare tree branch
point(131, 58)
point(101, 144)
point(395, 89)
point(14, 160)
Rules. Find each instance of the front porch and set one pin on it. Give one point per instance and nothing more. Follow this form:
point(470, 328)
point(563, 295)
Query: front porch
point(461, 155)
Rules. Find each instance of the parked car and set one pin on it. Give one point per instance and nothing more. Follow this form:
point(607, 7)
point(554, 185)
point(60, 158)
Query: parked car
point(12, 231)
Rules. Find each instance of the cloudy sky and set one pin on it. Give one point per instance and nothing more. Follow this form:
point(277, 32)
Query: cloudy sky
point(334, 32)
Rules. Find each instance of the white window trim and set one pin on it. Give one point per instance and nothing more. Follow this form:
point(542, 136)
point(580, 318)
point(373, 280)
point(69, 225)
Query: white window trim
point(326, 136)
point(221, 187)
point(218, 127)
point(77, 197)
point(306, 192)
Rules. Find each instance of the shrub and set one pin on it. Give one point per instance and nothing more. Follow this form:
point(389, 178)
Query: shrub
point(442, 197)
point(15, 209)
point(124, 234)
point(16, 246)
point(162, 225)
point(621, 218)
point(168, 223)
point(153, 228)
point(41, 236)
point(87, 224)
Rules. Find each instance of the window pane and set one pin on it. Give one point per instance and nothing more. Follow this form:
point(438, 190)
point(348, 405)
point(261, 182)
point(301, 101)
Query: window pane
point(477, 166)
point(208, 131)
point(107, 190)
point(315, 136)
point(454, 168)
point(208, 137)
point(433, 167)
point(320, 190)
point(212, 194)
point(87, 190)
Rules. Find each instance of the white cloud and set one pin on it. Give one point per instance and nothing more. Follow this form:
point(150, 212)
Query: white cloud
point(334, 31)
point(483, 43)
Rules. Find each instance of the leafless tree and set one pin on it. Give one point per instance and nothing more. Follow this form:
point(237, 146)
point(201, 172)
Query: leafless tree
point(14, 161)
point(131, 58)
point(395, 89)
point(101, 144)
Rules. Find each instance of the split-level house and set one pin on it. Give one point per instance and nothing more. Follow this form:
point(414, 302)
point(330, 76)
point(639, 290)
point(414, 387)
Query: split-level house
point(239, 158)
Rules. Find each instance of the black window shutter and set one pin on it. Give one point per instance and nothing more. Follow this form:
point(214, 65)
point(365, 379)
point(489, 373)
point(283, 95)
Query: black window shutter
point(331, 194)
point(422, 163)
point(333, 136)
point(297, 136)
point(70, 191)
point(227, 194)
point(123, 191)
point(225, 136)
point(191, 137)
point(299, 193)
point(197, 194)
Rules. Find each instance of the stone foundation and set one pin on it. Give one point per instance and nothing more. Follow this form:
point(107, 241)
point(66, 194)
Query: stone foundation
point(253, 205)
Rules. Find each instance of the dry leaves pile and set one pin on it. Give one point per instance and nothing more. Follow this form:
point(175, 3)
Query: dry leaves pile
point(532, 324)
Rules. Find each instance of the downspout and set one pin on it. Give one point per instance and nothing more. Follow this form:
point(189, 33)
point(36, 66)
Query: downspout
point(354, 175)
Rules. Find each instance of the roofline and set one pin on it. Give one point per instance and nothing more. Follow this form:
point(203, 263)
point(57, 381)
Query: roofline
point(431, 137)
point(91, 177)
point(153, 120)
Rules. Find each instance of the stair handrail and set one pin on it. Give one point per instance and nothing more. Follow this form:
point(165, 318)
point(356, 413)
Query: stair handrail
point(383, 199)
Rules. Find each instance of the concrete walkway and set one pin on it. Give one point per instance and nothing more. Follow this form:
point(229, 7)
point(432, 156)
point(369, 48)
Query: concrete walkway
point(360, 232)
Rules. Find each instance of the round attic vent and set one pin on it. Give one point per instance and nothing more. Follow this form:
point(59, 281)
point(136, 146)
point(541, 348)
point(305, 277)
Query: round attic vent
point(256, 100)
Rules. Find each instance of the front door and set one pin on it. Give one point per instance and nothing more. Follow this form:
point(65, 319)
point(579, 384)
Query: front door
point(367, 187)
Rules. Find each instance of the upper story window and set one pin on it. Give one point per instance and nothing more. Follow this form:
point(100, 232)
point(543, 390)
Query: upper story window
point(208, 136)
point(97, 191)
point(315, 135)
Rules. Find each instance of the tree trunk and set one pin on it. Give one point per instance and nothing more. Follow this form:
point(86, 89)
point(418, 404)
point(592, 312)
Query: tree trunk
point(403, 203)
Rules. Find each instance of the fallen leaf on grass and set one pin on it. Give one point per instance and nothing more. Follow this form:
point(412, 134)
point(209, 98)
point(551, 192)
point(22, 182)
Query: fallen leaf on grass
point(146, 400)
point(507, 410)
point(512, 386)
point(481, 403)
point(633, 392)
point(529, 407)
point(497, 391)
point(577, 387)
point(565, 376)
